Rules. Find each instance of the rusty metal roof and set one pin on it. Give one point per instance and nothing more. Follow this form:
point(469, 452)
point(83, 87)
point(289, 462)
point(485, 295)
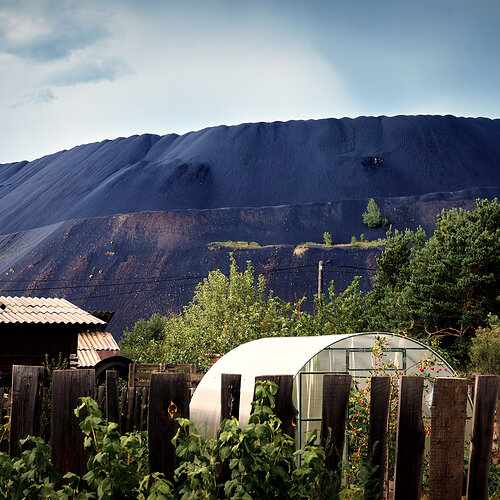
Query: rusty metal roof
point(91, 343)
point(44, 310)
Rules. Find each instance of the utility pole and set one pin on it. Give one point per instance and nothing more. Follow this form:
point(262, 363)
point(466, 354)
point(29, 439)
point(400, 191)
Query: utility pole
point(320, 281)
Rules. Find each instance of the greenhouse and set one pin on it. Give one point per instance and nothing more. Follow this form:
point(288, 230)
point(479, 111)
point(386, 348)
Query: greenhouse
point(307, 359)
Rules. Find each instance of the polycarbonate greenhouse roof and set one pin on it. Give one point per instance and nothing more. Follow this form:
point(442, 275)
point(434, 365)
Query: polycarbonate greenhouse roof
point(309, 357)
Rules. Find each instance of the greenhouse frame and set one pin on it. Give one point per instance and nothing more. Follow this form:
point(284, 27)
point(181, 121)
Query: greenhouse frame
point(308, 359)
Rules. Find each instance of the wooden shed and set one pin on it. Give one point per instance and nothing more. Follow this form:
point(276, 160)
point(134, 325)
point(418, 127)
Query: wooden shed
point(31, 327)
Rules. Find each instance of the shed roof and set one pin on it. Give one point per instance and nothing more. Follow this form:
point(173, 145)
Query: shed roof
point(91, 344)
point(44, 310)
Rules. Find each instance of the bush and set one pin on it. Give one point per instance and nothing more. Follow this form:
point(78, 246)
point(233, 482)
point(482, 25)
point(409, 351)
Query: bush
point(485, 348)
point(327, 238)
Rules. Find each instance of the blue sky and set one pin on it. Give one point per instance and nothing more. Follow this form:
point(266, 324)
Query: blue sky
point(73, 72)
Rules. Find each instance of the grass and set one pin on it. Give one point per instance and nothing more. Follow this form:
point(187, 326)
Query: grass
point(254, 244)
point(235, 244)
point(361, 244)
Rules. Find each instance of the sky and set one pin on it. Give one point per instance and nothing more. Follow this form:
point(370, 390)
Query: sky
point(80, 71)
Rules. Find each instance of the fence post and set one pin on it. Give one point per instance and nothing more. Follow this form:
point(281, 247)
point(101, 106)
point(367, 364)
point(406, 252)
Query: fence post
point(27, 387)
point(336, 388)
point(485, 397)
point(448, 414)
point(380, 392)
point(168, 400)
point(284, 408)
point(230, 396)
point(410, 440)
point(66, 437)
point(112, 396)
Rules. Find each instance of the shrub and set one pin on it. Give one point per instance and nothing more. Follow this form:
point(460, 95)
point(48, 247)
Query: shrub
point(327, 238)
point(485, 348)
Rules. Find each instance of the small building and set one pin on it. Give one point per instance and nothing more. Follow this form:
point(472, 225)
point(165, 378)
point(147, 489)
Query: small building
point(32, 327)
point(308, 359)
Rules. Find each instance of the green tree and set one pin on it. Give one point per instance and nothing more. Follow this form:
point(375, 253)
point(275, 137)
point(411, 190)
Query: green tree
point(372, 216)
point(446, 286)
point(144, 342)
point(327, 238)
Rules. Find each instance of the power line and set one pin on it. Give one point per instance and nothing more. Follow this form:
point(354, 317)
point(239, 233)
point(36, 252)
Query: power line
point(164, 279)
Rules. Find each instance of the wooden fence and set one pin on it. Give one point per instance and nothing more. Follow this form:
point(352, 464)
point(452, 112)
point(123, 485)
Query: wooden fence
point(167, 398)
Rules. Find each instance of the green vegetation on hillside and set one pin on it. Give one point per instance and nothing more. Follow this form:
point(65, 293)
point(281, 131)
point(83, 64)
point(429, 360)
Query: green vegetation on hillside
point(235, 244)
point(440, 290)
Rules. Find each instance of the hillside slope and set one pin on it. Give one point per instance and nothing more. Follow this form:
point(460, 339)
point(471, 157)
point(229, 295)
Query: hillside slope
point(125, 225)
point(253, 165)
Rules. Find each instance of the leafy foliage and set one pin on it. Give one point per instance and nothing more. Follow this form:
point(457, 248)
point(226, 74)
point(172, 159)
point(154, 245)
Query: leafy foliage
point(485, 348)
point(227, 311)
point(445, 286)
point(256, 462)
point(327, 239)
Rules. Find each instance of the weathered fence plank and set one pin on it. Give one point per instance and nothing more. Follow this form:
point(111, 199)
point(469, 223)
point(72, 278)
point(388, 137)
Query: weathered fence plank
point(168, 400)
point(66, 437)
point(485, 397)
point(230, 396)
point(27, 386)
point(336, 388)
point(448, 414)
point(380, 392)
point(284, 409)
point(112, 396)
point(410, 440)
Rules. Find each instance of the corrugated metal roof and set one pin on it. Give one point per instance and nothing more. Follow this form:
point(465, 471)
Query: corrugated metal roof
point(87, 358)
point(43, 310)
point(90, 344)
point(97, 341)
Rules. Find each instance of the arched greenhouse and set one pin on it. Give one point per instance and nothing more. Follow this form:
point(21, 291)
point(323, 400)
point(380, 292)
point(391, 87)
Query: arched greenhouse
point(307, 359)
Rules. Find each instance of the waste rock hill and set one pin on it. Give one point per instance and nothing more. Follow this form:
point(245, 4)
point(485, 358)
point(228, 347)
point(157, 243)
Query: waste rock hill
point(79, 223)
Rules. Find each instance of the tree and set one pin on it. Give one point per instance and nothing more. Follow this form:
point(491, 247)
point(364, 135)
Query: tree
point(372, 216)
point(446, 286)
point(227, 311)
point(327, 238)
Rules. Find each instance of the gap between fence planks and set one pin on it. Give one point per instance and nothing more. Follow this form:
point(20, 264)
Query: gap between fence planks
point(230, 396)
point(112, 396)
point(336, 389)
point(284, 408)
point(27, 387)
